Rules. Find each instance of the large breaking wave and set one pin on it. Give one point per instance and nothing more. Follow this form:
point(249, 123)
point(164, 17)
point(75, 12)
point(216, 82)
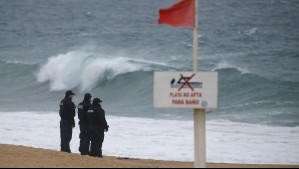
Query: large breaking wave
point(85, 70)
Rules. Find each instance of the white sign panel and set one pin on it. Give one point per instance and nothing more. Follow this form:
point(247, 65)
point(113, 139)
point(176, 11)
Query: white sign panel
point(196, 90)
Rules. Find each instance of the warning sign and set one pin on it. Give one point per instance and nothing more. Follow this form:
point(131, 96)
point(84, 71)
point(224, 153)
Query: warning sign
point(196, 90)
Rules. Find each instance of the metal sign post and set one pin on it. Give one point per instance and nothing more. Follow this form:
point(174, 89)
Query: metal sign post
point(199, 114)
point(199, 138)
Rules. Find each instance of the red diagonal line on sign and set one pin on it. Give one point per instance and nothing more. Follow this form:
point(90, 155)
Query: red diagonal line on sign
point(187, 82)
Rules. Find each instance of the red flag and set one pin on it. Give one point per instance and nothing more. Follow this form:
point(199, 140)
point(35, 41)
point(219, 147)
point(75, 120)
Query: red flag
point(181, 14)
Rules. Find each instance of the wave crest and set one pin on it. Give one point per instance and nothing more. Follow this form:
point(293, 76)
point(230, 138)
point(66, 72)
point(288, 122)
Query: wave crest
point(83, 70)
point(225, 65)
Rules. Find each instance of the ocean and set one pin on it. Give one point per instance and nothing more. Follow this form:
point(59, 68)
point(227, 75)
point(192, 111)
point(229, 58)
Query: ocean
point(112, 48)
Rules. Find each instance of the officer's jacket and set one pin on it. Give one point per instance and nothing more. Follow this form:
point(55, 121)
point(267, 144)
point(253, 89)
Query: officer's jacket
point(67, 111)
point(83, 107)
point(96, 117)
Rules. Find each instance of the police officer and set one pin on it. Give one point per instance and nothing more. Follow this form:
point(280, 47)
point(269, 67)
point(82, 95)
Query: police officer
point(67, 113)
point(98, 125)
point(85, 139)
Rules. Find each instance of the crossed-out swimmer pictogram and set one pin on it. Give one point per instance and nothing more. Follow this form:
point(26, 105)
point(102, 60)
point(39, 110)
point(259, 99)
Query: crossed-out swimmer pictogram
point(186, 82)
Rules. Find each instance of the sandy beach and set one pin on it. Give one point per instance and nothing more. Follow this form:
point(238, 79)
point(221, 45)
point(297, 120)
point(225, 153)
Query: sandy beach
point(25, 157)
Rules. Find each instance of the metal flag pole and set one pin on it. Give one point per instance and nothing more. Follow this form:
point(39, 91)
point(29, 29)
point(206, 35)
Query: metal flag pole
point(199, 114)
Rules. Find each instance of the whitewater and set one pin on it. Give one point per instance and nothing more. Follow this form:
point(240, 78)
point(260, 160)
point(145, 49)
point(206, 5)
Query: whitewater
point(162, 139)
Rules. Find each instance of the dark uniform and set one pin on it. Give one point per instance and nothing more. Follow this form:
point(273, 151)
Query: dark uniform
point(67, 113)
point(85, 139)
point(98, 125)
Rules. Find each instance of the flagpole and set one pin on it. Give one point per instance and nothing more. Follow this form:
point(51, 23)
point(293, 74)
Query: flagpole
point(199, 114)
point(195, 39)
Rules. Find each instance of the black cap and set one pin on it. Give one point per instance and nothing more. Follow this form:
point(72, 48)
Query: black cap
point(69, 92)
point(87, 96)
point(97, 100)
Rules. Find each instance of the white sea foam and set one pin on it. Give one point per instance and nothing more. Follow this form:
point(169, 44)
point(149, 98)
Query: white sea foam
point(162, 139)
point(252, 31)
point(226, 65)
point(17, 62)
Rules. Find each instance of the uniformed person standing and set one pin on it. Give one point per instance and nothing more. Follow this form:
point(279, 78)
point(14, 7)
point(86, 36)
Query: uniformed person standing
point(67, 113)
point(85, 138)
point(98, 125)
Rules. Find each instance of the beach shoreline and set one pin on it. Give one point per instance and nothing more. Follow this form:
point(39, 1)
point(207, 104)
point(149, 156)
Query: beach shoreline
point(12, 156)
